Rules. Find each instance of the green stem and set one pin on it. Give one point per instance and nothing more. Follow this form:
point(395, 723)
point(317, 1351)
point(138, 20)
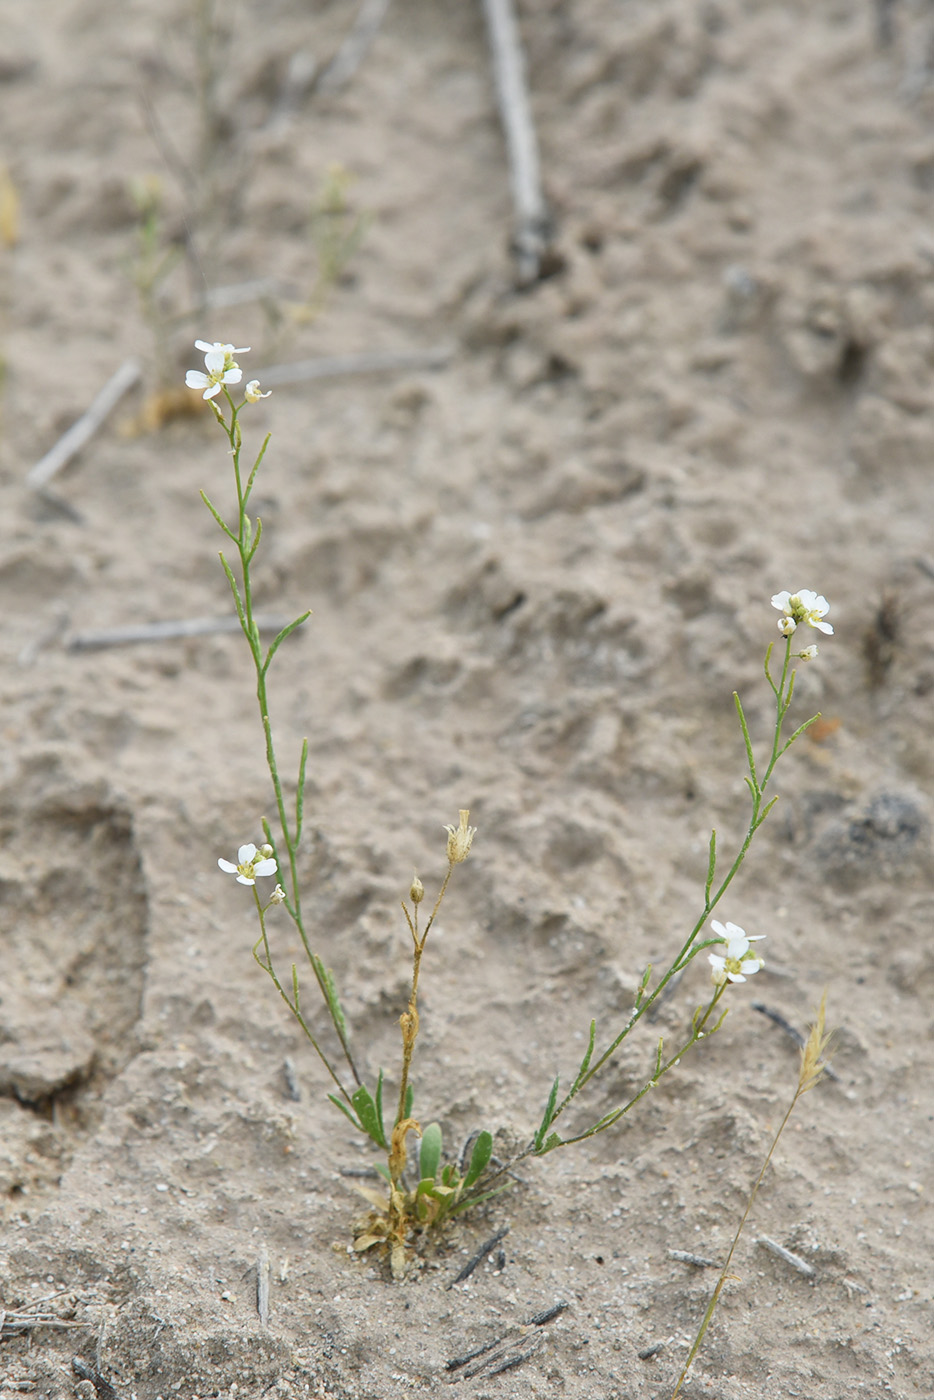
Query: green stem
point(246, 541)
point(760, 810)
point(291, 1002)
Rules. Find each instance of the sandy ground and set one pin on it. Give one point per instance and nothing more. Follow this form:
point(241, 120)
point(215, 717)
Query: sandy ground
point(537, 575)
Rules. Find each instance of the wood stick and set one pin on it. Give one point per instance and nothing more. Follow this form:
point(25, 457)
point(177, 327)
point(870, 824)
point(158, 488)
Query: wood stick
point(166, 631)
point(369, 362)
point(87, 425)
point(700, 1261)
point(262, 1286)
point(795, 1260)
point(353, 50)
point(480, 1255)
point(532, 222)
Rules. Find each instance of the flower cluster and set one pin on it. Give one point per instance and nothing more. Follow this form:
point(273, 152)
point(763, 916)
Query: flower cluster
point(251, 864)
point(803, 606)
point(221, 368)
point(737, 963)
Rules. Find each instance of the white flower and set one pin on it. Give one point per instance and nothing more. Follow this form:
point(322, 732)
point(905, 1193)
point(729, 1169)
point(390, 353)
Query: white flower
point(736, 964)
point(221, 367)
point(803, 606)
point(252, 393)
point(251, 864)
point(808, 654)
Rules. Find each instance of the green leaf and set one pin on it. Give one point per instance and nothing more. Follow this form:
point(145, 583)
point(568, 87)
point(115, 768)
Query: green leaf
point(553, 1140)
point(409, 1100)
point(379, 1103)
point(334, 1006)
point(461, 1206)
point(365, 1105)
point(548, 1114)
point(339, 1103)
point(300, 792)
point(479, 1158)
point(280, 638)
point(429, 1155)
point(585, 1062)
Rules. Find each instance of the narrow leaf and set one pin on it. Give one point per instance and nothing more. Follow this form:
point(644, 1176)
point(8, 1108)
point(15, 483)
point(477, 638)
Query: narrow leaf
point(334, 1006)
point(339, 1103)
point(548, 1114)
point(300, 792)
point(479, 1158)
point(379, 1103)
point(409, 1100)
point(363, 1102)
point(277, 641)
point(585, 1062)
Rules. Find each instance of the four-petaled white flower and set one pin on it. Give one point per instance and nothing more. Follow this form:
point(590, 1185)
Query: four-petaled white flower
point(808, 654)
point(251, 864)
point(221, 367)
point(252, 392)
point(803, 606)
point(737, 963)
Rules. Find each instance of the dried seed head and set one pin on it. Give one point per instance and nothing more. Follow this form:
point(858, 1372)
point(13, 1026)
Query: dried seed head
point(416, 890)
point(460, 839)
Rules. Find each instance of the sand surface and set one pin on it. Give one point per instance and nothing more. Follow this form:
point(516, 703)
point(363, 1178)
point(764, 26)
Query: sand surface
point(538, 572)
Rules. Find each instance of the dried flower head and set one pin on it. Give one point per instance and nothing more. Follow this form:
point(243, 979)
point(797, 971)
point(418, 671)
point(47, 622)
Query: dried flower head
point(803, 606)
point(251, 864)
point(460, 839)
point(416, 890)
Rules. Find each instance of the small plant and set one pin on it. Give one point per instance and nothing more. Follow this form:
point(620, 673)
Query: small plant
point(423, 1196)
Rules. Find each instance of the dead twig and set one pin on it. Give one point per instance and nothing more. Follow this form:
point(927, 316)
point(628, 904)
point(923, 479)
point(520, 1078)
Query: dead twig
point(353, 50)
point(84, 1372)
point(370, 362)
point(262, 1286)
point(166, 631)
point(87, 425)
point(700, 1261)
point(480, 1255)
point(504, 1353)
point(14, 1324)
point(530, 240)
point(795, 1260)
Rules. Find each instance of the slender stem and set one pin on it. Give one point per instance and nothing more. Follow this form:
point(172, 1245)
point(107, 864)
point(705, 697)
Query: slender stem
point(293, 1005)
point(246, 541)
point(721, 1281)
point(409, 1018)
point(760, 810)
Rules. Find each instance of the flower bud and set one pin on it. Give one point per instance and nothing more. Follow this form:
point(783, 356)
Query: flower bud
point(266, 851)
point(417, 890)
